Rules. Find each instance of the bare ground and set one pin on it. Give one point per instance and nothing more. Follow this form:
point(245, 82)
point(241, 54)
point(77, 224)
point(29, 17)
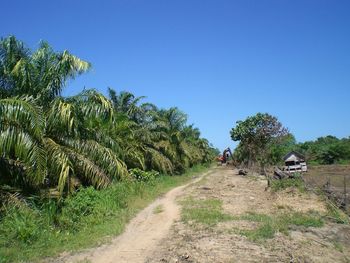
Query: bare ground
point(195, 243)
point(158, 234)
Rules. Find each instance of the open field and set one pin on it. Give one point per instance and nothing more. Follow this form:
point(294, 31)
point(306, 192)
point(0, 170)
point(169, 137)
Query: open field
point(231, 218)
point(320, 174)
point(333, 175)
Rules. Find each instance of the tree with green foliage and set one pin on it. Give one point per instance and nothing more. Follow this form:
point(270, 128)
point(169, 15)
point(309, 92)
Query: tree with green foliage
point(326, 150)
point(255, 134)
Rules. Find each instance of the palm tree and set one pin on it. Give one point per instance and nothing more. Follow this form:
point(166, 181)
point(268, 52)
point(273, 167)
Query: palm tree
point(45, 138)
point(66, 143)
point(42, 74)
point(139, 133)
point(125, 102)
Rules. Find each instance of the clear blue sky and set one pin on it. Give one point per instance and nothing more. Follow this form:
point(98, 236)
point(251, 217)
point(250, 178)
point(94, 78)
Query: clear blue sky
point(219, 61)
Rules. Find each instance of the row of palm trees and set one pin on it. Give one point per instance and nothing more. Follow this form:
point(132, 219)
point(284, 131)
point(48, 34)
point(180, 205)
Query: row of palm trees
point(47, 140)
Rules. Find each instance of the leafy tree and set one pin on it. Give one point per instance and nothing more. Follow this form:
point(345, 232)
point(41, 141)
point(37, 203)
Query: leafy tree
point(278, 149)
point(255, 134)
point(326, 150)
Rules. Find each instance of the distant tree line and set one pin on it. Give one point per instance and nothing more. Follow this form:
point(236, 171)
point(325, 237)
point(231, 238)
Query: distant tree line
point(263, 140)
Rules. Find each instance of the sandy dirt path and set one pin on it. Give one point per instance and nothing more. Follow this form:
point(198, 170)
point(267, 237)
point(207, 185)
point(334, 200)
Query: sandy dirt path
point(142, 234)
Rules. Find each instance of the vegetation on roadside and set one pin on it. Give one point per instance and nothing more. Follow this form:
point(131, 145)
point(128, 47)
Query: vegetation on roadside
point(41, 228)
point(207, 212)
point(264, 140)
point(269, 225)
point(335, 214)
point(256, 134)
point(158, 209)
point(295, 182)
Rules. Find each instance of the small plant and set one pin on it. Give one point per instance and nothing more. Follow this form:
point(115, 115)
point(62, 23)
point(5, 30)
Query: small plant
point(20, 223)
point(158, 209)
point(79, 206)
point(269, 225)
point(144, 176)
point(296, 182)
point(335, 214)
point(338, 246)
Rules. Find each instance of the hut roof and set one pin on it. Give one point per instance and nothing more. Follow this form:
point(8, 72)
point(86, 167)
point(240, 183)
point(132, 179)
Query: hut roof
point(296, 154)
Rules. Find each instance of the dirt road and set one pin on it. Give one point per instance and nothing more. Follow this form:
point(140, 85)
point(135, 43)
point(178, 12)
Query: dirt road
point(159, 234)
point(142, 234)
point(253, 211)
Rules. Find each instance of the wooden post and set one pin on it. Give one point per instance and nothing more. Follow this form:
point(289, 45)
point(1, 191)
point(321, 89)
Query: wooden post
point(345, 194)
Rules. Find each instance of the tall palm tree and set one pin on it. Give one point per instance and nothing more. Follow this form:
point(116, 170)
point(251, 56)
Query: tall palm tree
point(64, 144)
point(125, 102)
point(42, 74)
point(88, 137)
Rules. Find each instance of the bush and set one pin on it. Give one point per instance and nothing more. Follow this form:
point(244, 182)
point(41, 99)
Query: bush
point(76, 208)
point(296, 181)
point(144, 176)
point(20, 223)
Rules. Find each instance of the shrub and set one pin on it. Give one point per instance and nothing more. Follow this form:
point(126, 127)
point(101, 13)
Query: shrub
point(296, 181)
point(141, 175)
point(76, 208)
point(20, 223)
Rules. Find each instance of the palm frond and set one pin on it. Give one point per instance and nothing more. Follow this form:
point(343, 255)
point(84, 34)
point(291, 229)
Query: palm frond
point(88, 170)
point(59, 162)
point(61, 117)
point(94, 105)
point(22, 112)
point(16, 144)
point(102, 156)
point(158, 161)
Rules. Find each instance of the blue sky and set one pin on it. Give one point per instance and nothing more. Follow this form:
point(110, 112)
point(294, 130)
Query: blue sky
point(219, 61)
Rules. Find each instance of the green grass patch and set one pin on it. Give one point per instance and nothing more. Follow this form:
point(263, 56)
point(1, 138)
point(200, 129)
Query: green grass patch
point(45, 228)
point(297, 182)
point(269, 225)
point(338, 246)
point(208, 212)
point(335, 214)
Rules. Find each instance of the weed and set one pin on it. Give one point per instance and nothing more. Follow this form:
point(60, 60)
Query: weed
point(269, 225)
point(207, 212)
point(335, 214)
point(297, 182)
point(265, 231)
point(158, 209)
point(338, 246)
point(141, 175)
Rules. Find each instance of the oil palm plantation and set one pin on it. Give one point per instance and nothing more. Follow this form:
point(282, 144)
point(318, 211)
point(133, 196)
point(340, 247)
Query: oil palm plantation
point(47, 140)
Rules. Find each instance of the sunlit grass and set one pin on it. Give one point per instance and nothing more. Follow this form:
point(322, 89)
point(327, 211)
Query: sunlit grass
point(269, 225)
point(207, 212)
